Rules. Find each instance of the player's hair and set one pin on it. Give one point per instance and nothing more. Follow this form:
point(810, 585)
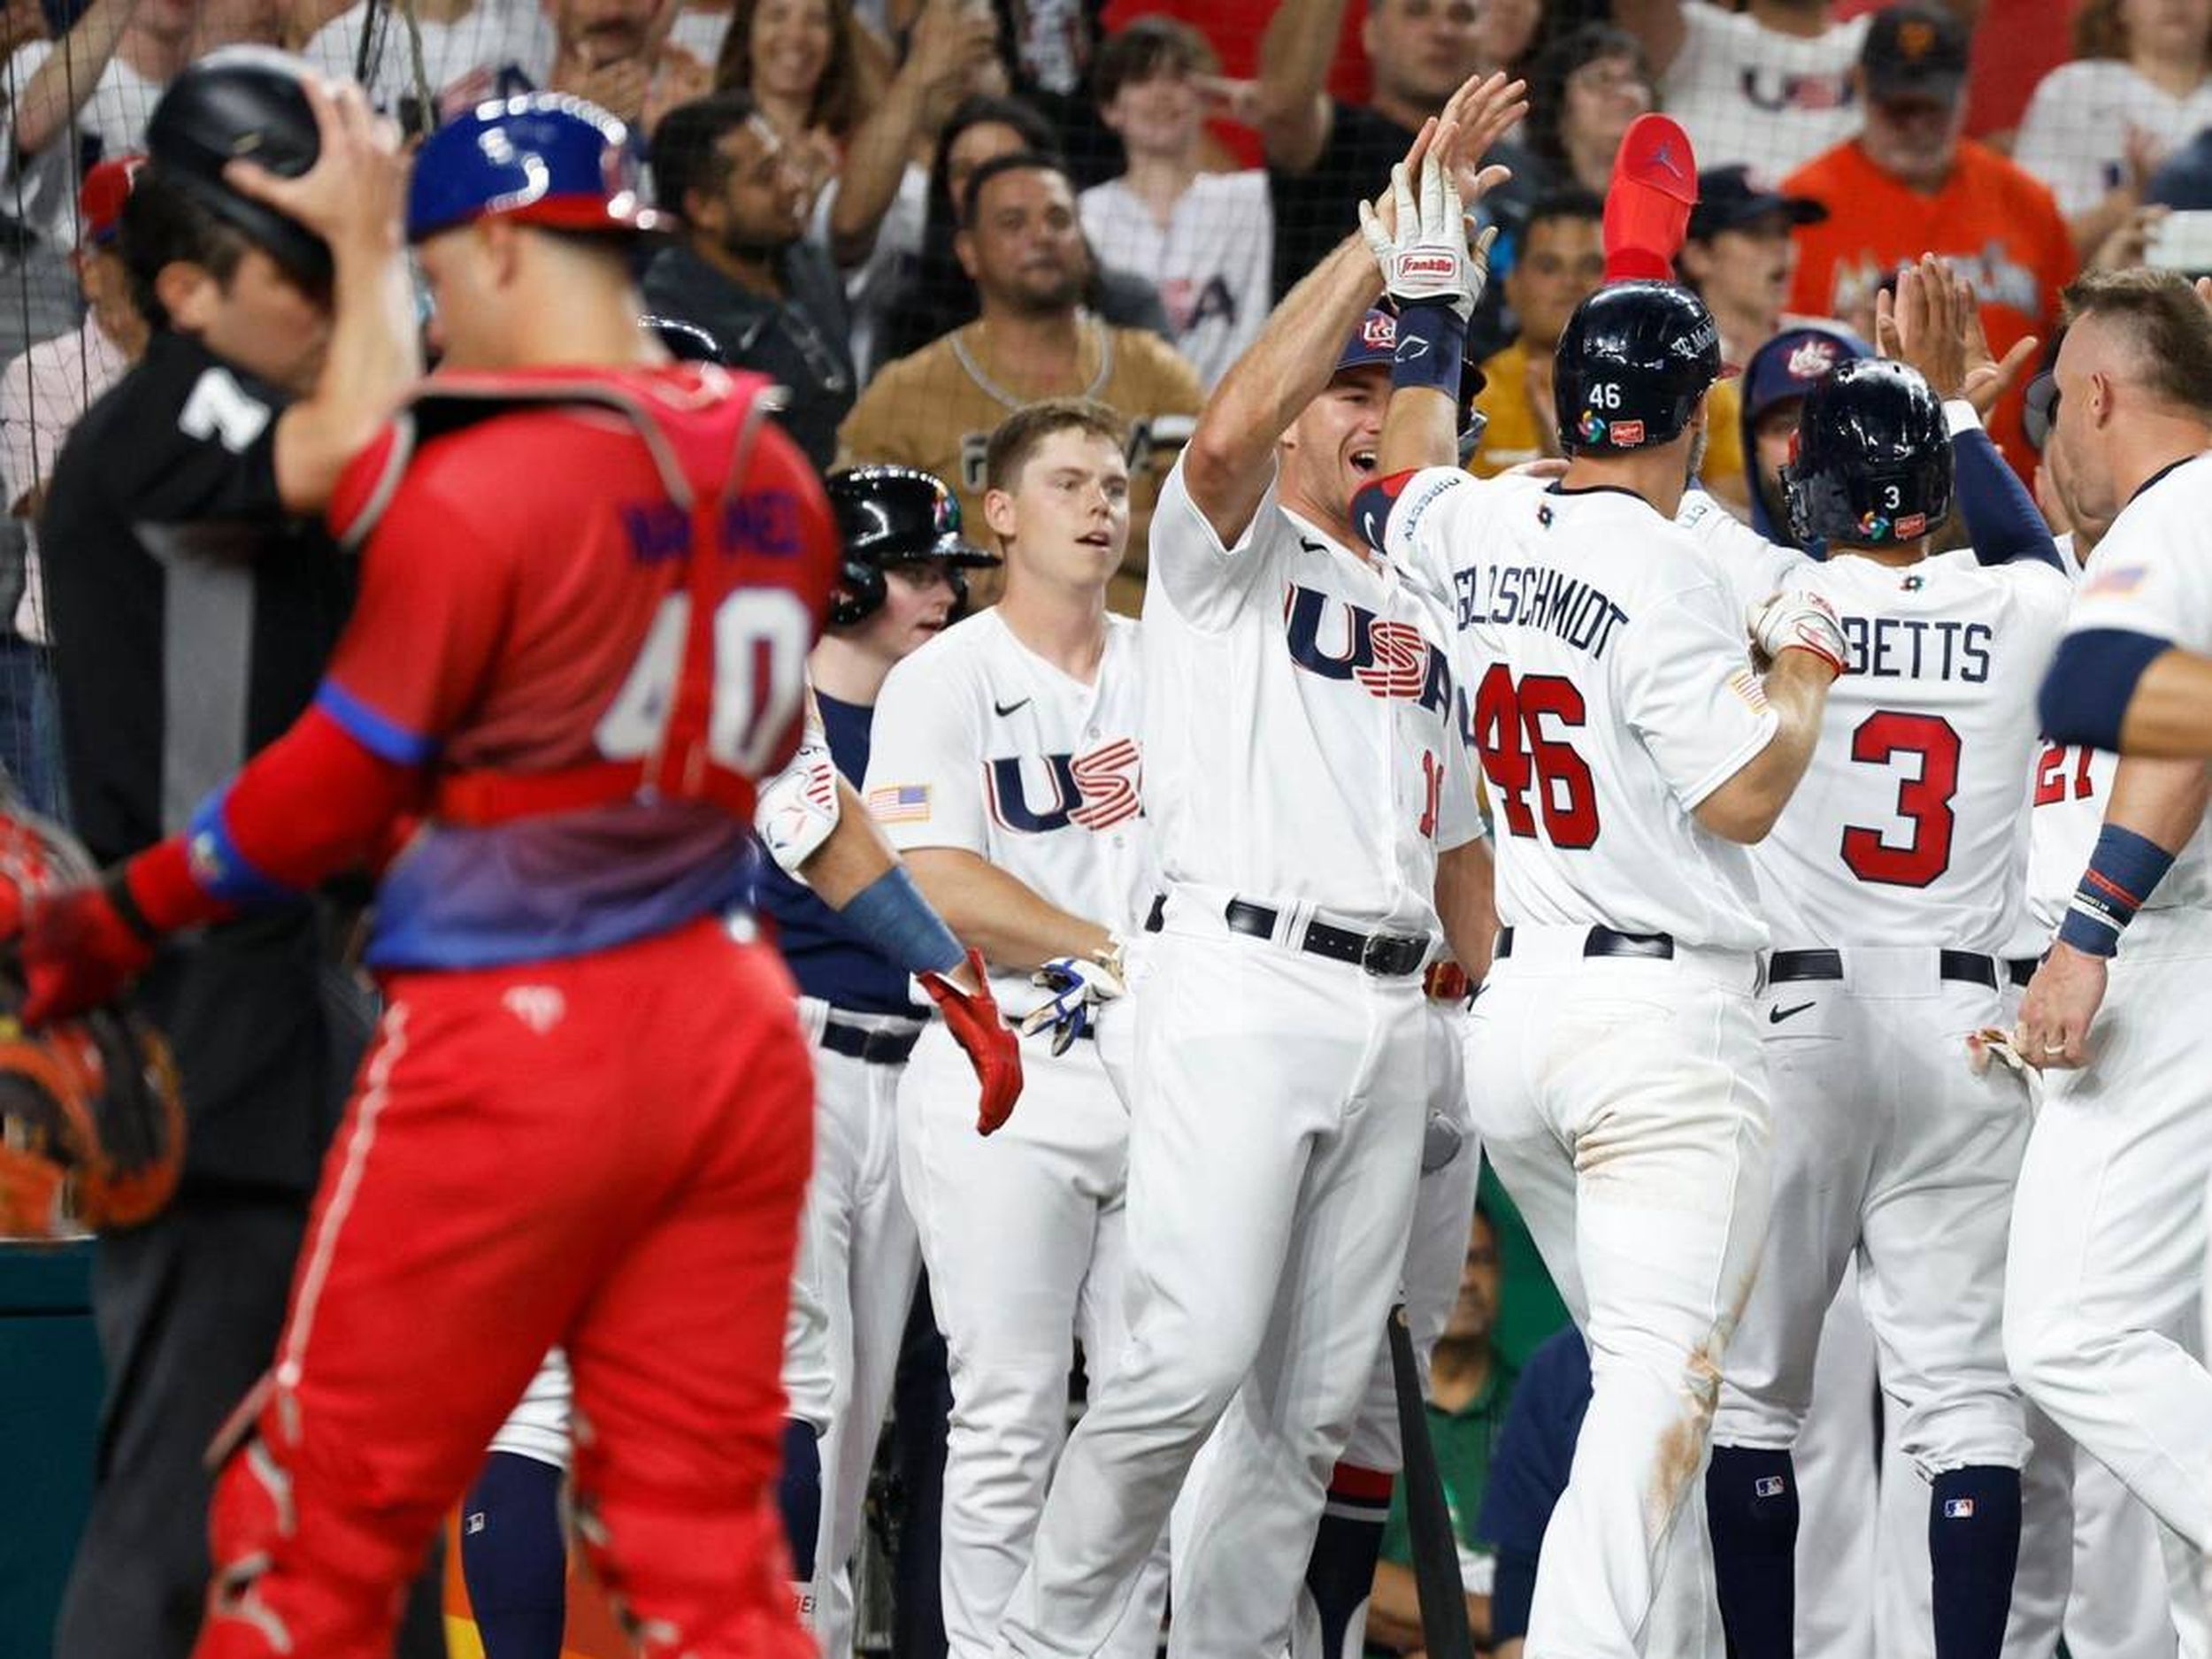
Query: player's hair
point(163, 225)
point(1555, 206)
point(1021, 433)
point(2163, 315)
point(837, 99)
point(686, 156)
point(2100, 31)
point(1020, 161)
point(1150, 48)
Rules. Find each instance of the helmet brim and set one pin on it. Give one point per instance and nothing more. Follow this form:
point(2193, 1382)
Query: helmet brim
point(622, 215)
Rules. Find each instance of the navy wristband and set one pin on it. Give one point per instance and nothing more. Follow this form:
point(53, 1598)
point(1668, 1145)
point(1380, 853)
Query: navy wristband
point(2124, 872)
point(1432, 342)
point(899, 923)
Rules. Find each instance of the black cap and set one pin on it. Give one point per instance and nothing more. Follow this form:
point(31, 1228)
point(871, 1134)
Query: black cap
point(242, 103)
point(1729, 198)
point(1914, 51)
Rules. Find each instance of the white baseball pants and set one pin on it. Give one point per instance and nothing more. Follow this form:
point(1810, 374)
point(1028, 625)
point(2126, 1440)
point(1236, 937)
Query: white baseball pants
point(1886, 1147)
point(1026, 1238)
point(2104, 1284)
point(1623, 1103)
point(858, 1262)
point(1279, 1109)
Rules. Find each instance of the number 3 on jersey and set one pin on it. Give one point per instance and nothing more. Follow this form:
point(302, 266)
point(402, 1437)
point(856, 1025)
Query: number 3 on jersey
point(1924, 802)
point(761, 636)
point(1518, 750)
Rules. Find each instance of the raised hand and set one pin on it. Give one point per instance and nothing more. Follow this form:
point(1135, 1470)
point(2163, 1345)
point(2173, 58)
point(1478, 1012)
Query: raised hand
point(354, 190)
point(1481, 112)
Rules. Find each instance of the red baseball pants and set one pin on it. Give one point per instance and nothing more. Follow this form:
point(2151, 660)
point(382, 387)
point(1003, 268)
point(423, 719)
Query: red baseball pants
point(607, 1153)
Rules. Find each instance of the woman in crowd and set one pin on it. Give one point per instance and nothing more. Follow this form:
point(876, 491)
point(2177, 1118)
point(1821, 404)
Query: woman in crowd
point(1585, 90)
point(801, 61)
point(2097, 129)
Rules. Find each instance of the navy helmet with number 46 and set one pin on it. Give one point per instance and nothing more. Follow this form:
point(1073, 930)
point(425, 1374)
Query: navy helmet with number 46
point(1632, 364)
point(1870, 464)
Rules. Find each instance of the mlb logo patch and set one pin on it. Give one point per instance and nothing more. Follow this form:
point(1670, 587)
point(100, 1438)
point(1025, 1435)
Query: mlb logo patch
point(1958, 1508)
point(1770, 1485)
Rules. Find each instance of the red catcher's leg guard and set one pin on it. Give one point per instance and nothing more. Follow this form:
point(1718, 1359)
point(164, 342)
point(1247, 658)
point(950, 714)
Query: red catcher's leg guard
point(690, 1582)
point(292, 1579)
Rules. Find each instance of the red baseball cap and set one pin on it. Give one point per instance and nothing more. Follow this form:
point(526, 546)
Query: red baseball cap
point(100, 197)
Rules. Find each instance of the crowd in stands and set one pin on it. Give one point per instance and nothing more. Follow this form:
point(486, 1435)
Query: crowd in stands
point(920, 215)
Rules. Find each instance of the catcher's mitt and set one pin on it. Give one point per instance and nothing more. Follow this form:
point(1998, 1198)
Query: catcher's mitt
point(91, 1118)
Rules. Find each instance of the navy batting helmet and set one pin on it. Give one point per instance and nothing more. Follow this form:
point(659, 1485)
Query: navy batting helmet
point(895, 515)
point(243, 103)
point(541, 158)
point(1631, 364)
point(1871, 463)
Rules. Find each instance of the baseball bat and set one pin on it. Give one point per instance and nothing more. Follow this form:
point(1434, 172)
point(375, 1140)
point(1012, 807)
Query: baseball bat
point(1444, 1627)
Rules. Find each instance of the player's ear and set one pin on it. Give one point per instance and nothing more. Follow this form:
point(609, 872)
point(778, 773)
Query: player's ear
point(963, 249)
point(999, 513)
point(189, 293)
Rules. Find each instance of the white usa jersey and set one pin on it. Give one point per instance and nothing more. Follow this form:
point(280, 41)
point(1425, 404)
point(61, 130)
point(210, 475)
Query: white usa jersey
point(1753, 567)
point(1612, 692)
point(2153, 574)
point(1911, 823)
point(1304, 738)
point(2070, 787)
point(979, 743)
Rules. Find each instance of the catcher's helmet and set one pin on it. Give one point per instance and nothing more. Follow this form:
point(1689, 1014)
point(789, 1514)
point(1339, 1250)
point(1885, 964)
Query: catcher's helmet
point(91, 1119)
point(1631, 364)
point(1870, 465)
point(892, 515)
point(541, 158)
point(242, 103)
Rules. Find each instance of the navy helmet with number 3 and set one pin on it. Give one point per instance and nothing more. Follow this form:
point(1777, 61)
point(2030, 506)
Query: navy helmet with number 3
point(1870, 465)
point(1632, 364)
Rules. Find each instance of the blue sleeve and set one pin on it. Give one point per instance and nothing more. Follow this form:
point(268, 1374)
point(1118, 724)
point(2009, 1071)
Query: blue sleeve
point(1512, 1593)
point(1536, 1446)
point(2002, 520)
point(2092, 681)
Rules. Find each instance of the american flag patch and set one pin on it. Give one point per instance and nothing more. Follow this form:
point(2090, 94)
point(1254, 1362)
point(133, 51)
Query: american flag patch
point(2125, 579)
point(900, 803)
point(1748, 685)
point(1958, 1508)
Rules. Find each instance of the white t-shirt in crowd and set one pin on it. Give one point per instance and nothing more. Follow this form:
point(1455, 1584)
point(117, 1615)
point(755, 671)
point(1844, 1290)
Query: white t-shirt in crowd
point(1748, 94)
point(1213, 261)
point(2075, 134)
point(495, 48)
point(43, 394)
point(41, 190)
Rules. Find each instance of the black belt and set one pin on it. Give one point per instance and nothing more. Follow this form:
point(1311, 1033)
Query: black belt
point(877, 1047)
point(1605, 941)
point(2020, 970)
point(1388, 956)
point(1961, 967)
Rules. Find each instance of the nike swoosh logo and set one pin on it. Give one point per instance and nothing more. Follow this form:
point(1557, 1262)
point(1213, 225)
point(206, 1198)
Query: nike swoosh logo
point(1008, 707)
point(1776, 1016)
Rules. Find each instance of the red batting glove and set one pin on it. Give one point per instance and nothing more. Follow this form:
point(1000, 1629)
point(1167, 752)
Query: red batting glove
point(993, 1049)
point(78, 950)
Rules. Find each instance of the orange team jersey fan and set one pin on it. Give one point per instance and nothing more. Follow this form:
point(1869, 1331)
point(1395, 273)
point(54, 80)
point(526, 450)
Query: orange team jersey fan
point(1647, 208)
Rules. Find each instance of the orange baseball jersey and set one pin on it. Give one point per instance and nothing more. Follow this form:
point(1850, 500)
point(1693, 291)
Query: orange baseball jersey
point(1995, 223)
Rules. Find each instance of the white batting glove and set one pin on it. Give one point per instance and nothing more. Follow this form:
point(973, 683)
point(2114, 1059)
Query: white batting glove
point(1426, 256)
point(1079, 987)
point(1796, 621)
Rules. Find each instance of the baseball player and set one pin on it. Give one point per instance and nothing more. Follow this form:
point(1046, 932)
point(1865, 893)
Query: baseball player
point(1006, 769)
point(1907, 827)
point(586, 1119)
point(1314, 824)
point(899, 581)
point(1631, 753)
point(2107, 1259)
